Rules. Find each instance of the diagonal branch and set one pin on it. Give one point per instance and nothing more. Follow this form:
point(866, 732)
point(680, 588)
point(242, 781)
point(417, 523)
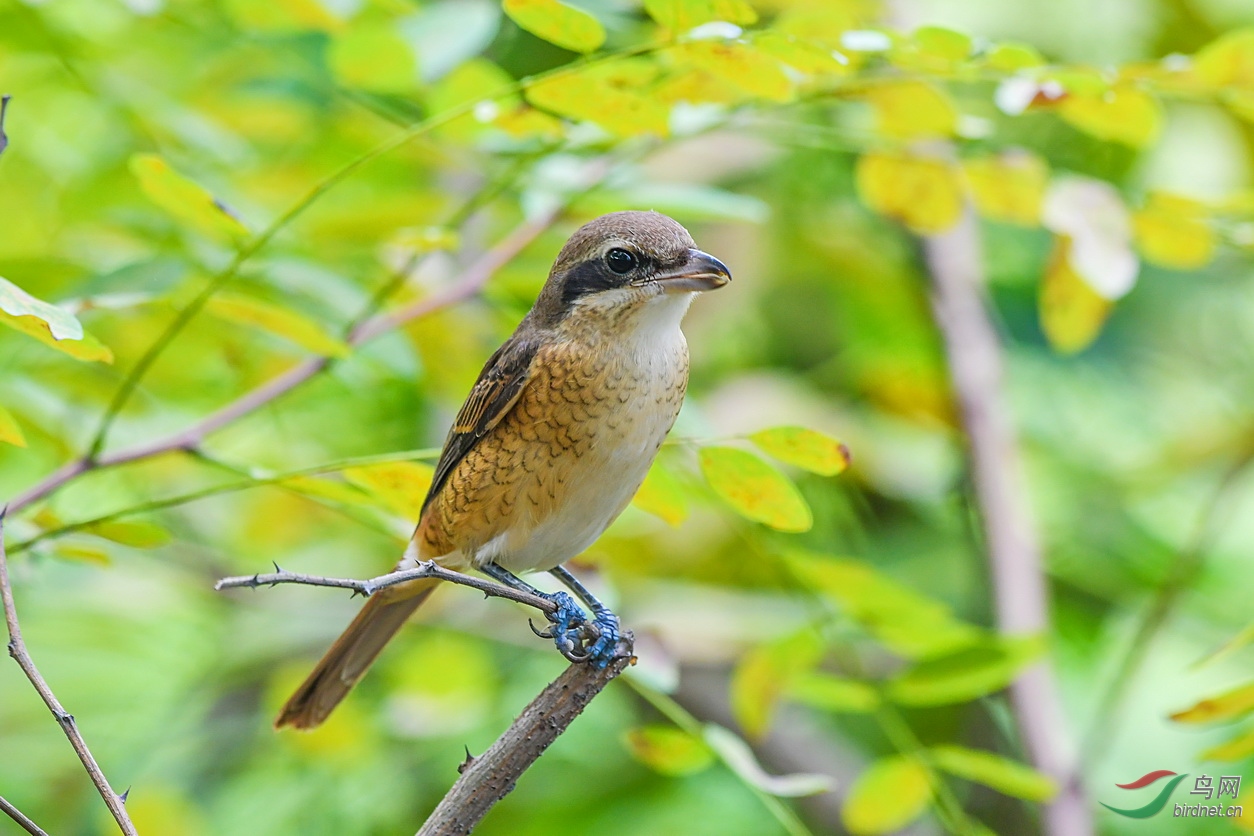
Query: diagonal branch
point(1021, 595)
point(17, 815)
point(17, 649)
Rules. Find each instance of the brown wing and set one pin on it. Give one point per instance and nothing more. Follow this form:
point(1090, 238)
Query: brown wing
point(495, 392)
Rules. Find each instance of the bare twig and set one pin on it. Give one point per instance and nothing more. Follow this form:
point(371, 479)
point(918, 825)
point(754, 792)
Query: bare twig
point(488, 778)
point(20, 817)
point(1021, 596)
point(369, 587)
point(17, 649)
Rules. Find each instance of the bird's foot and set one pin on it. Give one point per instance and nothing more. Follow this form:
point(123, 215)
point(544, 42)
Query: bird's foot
point(577, 638)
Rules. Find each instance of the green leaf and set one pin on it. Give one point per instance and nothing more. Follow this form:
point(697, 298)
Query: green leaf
point(763, 674)
point(910, 623)
point(140, 535)
point(804, 448)
point(557, 23)
point(1229, 705)
point(10, 430)
point(373, 56)
point(964, 674)
point(1004, 775)
point(663, 495)
point(277, 320)
point(329, 489)
point(401, 487)
point(755, 489)
point(1234, 749)
point(82, 554)
point(1009, 57)
point(185, 199)
point(832, 693)
point(889, 795)
point(668, 750)
point(682, 15)
point(737, 755)
point(51, 325)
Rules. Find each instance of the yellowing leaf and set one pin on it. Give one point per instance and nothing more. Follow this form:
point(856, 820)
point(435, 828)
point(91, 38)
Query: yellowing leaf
point(373, 56)
point(1010, 57)
point(278, 321)
point(832, 693)
point(663, 495)
point(1173, 232)
point(965, 674)
point(741, 64)
point(1226, 706)
point(1005, 776)
point(668, 750)
point(582, 97)
point(140, 535)
point(1009, 187)
point(84, 554)
point(557, 23)
point(1072, 313)
point(51, 325)
point(755, 489)
point(282, 15)
point(889, 795)
point(809, 449)
point(160, 810)
point(698, 87)
point(799, 54)
point(328, 489)
point(924, 194)
point(909, 623)
point(183, 198)
point(1123, 114)
point(1228, 61)
point(762, 675)
point(682, 15)
point(10, 430)
point(913, 109)
point(400, 486)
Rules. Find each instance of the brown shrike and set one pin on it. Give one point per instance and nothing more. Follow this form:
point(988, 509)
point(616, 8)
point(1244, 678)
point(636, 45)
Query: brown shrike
point(553, 441)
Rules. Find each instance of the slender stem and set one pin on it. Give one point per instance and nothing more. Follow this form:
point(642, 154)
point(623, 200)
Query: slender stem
point(17, 649)
point(16, 814)
point(904, 740)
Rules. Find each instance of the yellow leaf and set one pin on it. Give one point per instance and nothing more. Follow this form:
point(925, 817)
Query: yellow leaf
point(1009, 187)
point(809, 449)
point(755, 489)
point(183, 198)
point(373, 56)
point(799, 54)
point(1228, 61)
point(1173, 232)
point(1072, 312)
point(557, 23)
point(762, 676)
point(662, 495)
point(925, 195)
point(1226, 706)
point(668, 750)
point(698, 87)
point(682, 15)
point(10, 430)
point(1005, 776)
point(51, 325)
point(582, 97)
point(889, 795)
point(525, 122)
point(84, 554)
point(750, 69)
point(913, 109)
point(140, 535)
point(282, 15)
point(1123, 114)
point(1236, 749)
point(327, 489)
point(278, 321)
point(159, 810)
point(399, 486)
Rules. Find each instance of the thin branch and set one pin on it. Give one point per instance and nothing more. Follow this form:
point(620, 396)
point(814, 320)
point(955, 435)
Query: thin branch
point(1021, 595)
point(17, 649)
point(18, 816)
point(369, 587)
point(488, 778)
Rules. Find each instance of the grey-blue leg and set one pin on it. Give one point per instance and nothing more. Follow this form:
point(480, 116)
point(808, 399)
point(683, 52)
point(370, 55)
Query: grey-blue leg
point(567, 623)
point(608, 630)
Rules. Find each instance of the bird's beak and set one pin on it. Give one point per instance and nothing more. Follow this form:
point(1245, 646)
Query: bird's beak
point(701, 271)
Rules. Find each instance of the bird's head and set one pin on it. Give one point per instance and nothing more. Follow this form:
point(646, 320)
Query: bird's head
point(628, 261)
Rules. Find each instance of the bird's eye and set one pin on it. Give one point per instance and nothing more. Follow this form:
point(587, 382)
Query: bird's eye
point(620, 260)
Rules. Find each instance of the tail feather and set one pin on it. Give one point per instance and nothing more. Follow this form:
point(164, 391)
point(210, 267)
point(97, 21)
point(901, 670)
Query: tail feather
point(353, 652)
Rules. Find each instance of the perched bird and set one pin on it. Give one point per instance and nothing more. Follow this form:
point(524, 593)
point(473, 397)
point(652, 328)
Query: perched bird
point(552, 442)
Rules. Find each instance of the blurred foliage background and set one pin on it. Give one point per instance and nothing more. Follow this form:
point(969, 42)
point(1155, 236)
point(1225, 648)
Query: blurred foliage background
point(218, 191)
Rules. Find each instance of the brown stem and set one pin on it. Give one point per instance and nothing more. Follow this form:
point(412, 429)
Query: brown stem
point(17, 649)
point(1021, 596)
point(20, 817)
point(488, 778)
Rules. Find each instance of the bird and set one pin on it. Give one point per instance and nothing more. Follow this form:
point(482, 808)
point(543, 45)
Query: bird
point(553, 441)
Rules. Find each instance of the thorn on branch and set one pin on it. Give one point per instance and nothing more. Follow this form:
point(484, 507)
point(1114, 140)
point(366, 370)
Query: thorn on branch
point(467, 763)
point(124, 795)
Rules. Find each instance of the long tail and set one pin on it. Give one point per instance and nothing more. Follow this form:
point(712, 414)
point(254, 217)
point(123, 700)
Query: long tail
point(338, 671)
